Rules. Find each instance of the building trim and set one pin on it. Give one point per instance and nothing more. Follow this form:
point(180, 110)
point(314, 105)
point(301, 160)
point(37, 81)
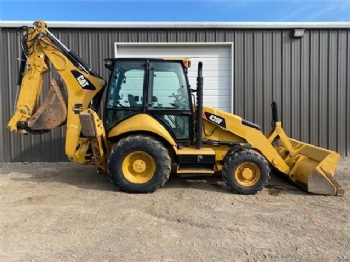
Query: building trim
point(169, 25)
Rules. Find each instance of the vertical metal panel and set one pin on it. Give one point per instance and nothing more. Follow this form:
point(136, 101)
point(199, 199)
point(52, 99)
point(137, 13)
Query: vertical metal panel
point(305, 87)
point(220, 36)
point(285, 104)
point(191, 35)
point(267, 75)
point(162, 35)
point(172, 35)
point(181, 36)
point(309, 77)
point(153, 35)
point(343, 90)
point(295, 74)
point(257, 102)
point(133, 37)
point(229, 36)
point(239, 69)
point(143, 35)
point(5, 83)
point(322, 85)
point(332, 89)
point(277, 46)
point(248, 89)
point(201, 36)
point(314, 87)
point(123, 36)
point(211, 35)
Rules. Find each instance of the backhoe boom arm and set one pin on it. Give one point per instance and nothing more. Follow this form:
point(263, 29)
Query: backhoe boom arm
point(82, 84)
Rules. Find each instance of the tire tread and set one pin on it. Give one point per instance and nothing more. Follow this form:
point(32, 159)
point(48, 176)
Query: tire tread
point(235, 159)
point(148, 142)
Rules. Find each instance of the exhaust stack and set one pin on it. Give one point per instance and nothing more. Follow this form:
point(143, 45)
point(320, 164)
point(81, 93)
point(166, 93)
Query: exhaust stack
point(199, 126)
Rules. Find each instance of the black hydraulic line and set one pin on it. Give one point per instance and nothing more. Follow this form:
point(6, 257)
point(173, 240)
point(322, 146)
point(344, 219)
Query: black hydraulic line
point(22, 66)
point(79, 63)
point(96, 100)
point(71, 54)
point(199, 126)
point(73, 57)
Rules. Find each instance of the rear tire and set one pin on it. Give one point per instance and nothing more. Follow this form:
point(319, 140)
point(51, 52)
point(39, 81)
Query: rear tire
point(139, 164)
point(246, 172)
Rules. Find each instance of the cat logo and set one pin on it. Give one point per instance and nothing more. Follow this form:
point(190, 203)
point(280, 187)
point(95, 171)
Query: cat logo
point(82, 81)
point(85, 84)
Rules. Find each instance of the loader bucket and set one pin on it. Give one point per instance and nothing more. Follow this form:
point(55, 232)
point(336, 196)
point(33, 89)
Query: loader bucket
point(53, 111)
point(313, 168)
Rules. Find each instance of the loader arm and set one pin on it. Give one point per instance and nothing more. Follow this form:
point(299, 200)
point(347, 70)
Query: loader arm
point(310, 167)
point(82, 84)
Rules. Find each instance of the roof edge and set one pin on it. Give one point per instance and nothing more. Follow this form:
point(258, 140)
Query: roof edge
point(250, 25)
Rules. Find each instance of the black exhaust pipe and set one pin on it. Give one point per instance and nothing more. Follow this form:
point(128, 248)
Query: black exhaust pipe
point(274, 113)
point(199, 126)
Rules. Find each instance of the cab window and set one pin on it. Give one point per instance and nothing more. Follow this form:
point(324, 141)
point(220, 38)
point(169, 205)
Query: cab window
point(125, 91)
point(167, 87)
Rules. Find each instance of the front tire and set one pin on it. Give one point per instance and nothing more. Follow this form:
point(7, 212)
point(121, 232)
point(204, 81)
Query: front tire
point(139, 164)
point(246, 172)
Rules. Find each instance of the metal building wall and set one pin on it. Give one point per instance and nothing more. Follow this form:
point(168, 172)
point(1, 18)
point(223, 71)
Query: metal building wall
point(308, 77)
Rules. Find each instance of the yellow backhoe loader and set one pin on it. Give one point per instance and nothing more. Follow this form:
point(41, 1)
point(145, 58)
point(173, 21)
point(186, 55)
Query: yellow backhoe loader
point(155, 124)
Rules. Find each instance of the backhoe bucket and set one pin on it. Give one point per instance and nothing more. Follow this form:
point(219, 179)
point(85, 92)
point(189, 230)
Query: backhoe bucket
point(313, 168)
point(53, 111)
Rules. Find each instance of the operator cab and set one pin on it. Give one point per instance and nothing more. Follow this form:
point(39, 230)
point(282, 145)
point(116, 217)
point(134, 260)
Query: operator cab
point(155, 87)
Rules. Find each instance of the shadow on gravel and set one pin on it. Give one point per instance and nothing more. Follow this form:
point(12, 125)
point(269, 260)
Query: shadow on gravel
point(85, 176)
point(277, 185)
point(82, 176)
point(280, 184)
point(214, 184)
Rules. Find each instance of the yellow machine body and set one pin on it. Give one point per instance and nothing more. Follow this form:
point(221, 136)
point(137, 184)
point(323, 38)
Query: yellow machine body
point(308, 166)
point(227, 138)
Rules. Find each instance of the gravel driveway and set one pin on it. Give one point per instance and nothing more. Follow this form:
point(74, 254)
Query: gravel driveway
point(67, 212)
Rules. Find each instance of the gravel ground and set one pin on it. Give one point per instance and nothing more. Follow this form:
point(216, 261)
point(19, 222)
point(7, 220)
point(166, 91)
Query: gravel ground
point(67, 212)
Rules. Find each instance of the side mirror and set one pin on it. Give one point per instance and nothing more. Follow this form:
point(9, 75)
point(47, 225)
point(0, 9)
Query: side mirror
point(108, 64)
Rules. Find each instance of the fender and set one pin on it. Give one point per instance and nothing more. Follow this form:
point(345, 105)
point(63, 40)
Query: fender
point(142, 122)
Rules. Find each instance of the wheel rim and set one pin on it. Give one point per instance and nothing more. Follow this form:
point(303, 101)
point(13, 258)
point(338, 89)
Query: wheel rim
point(138, 167)
point(247, 174)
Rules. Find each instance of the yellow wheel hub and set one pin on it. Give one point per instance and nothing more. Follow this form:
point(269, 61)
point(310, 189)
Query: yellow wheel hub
point(247, 174)
point(138, 167)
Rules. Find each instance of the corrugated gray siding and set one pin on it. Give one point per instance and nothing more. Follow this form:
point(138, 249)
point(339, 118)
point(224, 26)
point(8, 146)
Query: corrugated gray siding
point(308, 77)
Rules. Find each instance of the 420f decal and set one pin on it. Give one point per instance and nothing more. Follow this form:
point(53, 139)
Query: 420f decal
point(215, 119)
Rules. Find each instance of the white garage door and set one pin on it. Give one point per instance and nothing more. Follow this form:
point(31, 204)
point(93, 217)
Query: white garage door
point(217, 65)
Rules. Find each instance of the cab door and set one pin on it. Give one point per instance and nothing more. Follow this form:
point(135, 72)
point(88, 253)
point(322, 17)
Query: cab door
point(125, 91)
point(168, 98)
